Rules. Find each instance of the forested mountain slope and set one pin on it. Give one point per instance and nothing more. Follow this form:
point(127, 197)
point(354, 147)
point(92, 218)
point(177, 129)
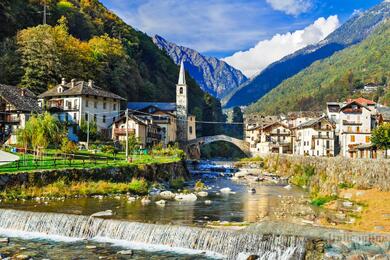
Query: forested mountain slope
point(351, 32)
point(90, 42)
point(334, 78)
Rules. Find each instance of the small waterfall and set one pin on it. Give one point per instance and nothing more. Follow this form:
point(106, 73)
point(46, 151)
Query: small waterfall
point(226, 243)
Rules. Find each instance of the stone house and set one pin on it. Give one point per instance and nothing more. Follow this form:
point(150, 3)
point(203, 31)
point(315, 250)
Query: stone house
point(76, 101)
point(274, 137)
point(16, 107)
point(144, 130)
point(315, 137)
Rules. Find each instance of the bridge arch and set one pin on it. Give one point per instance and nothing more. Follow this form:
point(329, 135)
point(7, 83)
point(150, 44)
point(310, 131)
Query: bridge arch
point(193, 146)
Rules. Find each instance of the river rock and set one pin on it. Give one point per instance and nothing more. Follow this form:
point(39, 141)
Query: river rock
point(90, 247)
point(207, 202)
point(167, 195)
point(154, 192)
point(131, 199)
point(225, 190)
point(253, 257)
point(252, 190)
point(355, 257)
point(22, 257)
point(161, 202)
point(105, 213)
point(186, 197)
point(125, 252)
point(288, 187)
point(202, 194)
point(4, 240)
point(145, 201)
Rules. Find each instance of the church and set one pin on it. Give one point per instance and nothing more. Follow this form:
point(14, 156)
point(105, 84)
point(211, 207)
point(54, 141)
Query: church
point(171, 118)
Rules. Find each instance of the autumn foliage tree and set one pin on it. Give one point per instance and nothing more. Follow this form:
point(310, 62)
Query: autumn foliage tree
point(381, 137)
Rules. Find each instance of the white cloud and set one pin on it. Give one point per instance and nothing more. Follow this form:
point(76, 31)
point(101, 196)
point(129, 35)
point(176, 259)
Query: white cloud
point(291, 7)
point(217, 25)
point(265, 52)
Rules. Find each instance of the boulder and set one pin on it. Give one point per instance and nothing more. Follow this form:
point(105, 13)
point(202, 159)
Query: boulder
point(161, 202)
point(105, 213)
point(202, 194)
point(186, 197)
point(145, 201)
point(4, 240)
point(167, 195)
point(225, 190)
point(125, 252)
point(207, 202)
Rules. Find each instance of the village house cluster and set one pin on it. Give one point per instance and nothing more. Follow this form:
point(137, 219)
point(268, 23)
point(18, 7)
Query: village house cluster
point(79, 102)
point(344, 129)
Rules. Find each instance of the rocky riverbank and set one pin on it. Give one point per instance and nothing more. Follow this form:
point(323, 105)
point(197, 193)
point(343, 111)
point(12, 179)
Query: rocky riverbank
point(150, 172)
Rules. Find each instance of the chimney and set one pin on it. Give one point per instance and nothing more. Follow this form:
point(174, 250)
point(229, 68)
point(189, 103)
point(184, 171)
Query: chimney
point(72, 83)
point(63, 82)
point(90, 83)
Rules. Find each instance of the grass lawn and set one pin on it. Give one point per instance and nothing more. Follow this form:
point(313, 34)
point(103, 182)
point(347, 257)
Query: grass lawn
point(82, 159)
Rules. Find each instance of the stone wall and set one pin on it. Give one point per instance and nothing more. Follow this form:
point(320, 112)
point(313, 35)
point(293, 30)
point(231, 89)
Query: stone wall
point(330, 173)
point(151, 172)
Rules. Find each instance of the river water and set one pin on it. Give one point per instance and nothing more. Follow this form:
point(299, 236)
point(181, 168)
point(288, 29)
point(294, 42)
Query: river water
point(238, 208)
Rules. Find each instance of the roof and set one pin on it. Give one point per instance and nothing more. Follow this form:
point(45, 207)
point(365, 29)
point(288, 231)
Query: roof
point(131, 116)
point(352, 101)
point(362, 101)
point(81, 88)
point(312, 122)
point(182, 74)
point(384, 112)
point(334, 107)
point(163, 106)
point(26, 102)
point(300, 114)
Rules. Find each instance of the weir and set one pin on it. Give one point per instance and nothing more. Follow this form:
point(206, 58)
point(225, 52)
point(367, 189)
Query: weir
point(226, 243)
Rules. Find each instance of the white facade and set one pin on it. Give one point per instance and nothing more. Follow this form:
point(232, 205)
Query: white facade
point(315, 138)
point(356, 124)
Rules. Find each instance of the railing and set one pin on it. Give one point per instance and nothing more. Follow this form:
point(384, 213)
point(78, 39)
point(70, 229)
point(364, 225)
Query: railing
point(122, 131)
point(58, 161)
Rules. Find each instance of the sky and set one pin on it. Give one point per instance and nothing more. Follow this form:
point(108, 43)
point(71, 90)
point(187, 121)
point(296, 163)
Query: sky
point(247, 34)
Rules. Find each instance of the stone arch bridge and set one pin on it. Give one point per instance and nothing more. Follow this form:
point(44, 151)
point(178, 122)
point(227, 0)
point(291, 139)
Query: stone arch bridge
point(192, 147)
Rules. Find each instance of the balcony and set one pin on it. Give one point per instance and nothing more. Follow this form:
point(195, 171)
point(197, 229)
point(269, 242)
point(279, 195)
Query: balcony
point(10, 119)
point(122, 131)
point(346, 122)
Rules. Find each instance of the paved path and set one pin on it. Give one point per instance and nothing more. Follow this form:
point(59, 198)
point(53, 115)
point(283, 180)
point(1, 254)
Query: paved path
point(7, 157)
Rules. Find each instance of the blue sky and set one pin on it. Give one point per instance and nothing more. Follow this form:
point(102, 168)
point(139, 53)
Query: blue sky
point(222, 28)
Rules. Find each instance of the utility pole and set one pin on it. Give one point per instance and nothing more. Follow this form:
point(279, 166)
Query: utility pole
point(87, 130)
point(44, 12)
point(127, 134)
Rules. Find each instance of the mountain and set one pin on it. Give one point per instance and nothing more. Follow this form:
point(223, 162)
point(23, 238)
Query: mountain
point(84, 40)
point(353, 31)
point(213, 75)
point(335, 78)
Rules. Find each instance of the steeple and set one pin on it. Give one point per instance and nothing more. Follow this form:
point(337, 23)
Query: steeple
point(182, 74)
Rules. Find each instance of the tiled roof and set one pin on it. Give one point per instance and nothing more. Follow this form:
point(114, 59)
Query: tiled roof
point(312, 122)
point(362, 101)
point(163, 106)
point(80, 88)
point(334, 106)
point(300, 114)
point(24, 103)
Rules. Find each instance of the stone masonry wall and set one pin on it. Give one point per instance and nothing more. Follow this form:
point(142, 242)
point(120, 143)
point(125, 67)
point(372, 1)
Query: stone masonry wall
point(151, 172)
point(331, 172)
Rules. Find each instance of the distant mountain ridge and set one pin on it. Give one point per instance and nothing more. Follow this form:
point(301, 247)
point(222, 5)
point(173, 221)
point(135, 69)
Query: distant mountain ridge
point(353, 31)
point(213, 75)
point(336, 78)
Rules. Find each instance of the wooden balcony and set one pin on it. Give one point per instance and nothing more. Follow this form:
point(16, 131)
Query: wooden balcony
point(122, 131)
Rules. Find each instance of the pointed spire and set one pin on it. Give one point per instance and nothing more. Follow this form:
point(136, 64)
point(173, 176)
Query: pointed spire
point(182, 75)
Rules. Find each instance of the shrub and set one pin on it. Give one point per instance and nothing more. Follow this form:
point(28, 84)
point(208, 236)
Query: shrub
point(68, 146)
point(139, 186)
point(177, 183)
point(199, 186)
point(321, 200)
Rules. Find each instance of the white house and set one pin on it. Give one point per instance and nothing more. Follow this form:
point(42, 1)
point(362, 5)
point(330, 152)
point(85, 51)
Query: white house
point(315, 137)
point(357, 119)
point(79, 100)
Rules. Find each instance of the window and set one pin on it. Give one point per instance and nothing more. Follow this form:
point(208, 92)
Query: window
point(190, 129)
point(368, 139)
point(104, 119)
point(94, 117)
point(86, 117)
point(318, 142)
point(352, 138)
point(358, 129)
point(327, 144)
point(95, 104)
point(181, 91)
point(74, 116)
point(349, 129)
point(104, 105)
point(86, 103)
point(114, 106)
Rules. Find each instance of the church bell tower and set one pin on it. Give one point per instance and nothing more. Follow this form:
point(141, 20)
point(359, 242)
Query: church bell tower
point(182, 106)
